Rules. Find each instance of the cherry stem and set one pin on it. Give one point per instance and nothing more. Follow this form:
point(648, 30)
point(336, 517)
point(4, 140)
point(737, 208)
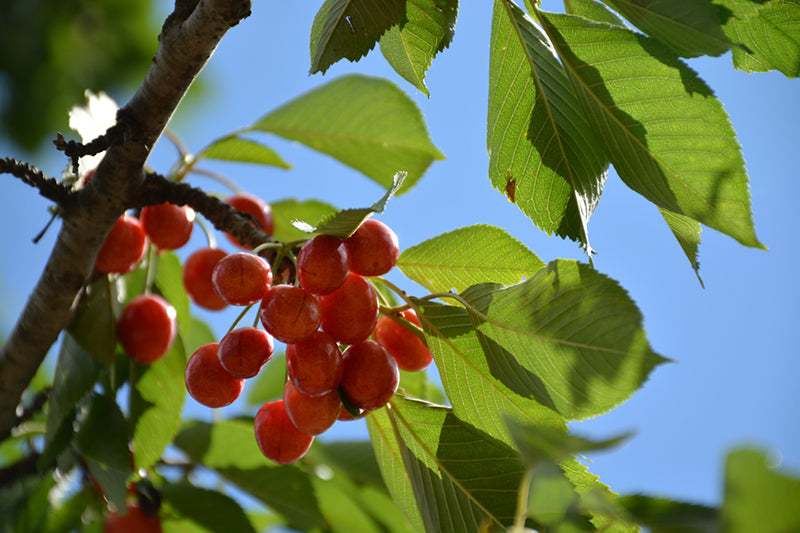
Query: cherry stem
point(210, 237)
point(522, 502)
point(216, 176)
point(151, 269)
point(240, 317)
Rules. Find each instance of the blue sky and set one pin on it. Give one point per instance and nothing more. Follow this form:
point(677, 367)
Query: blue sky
point(736, 359)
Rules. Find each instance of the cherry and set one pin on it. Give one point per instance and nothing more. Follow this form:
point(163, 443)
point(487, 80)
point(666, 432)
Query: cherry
point(370, 376)
point(311, 414)
point(168, 226)
point(135, 520)
point(243, 351)
point(409, 351)
point(322, 264)
point(197, 273)
point(123, 247)
point(146, 328)
point(209, 383)
point(277, 438)
point(242, 278)
point(315, 364)
point(350, 313)
point(289, 313)
point(254, 206)
point(372, 250)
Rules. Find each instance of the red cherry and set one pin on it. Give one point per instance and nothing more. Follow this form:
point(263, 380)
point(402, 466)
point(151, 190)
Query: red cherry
point(311, 415)
point(197, 273)
point(135, 520)
point(242, 278)
point(168, 226)
point(322, 264)
point(146, 328)
point(243, 351)
point(350, 313)
point(290, 313)
point(370, 376)
point(372, 250)
point(123, 247)
point(409, 351)
point(209, 383)
point(277, 438)
point(254, 206)
point(315, 364)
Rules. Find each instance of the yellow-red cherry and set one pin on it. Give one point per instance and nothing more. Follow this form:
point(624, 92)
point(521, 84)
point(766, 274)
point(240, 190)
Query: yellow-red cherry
point(123, 247)
point(408, 350)
point(350, 313)
point(322, 264)
point(277, 438)
point(311, 414)
point(291, 314)
point(315, 364)
point(135, 520)
point(243, 351)
point(197, 271)
point(167, 225)
point(146, 328)
point(370, 376)
point(207, 382)
point(372, 250)
point(254, 206)
point(242, 278)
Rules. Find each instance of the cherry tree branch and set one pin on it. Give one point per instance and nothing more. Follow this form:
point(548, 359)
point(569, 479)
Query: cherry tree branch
point(187, 40)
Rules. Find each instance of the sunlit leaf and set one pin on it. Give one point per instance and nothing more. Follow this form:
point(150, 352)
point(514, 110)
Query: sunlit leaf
point(268, 384)
point(243, 151)
point(411, 47)
point(690, 27)
point(95, 325)
point(687, 232)
point(468, 256)
point(666, 134)
point(350, 28)
point(463, 479)
point(285, 211)
point(544, 155)
point(593, 10)
point(757, 497)
point(661, 515)
point(169, 281)
point(366, 123)
point(157, 404)
point(209, 510)
point(769, 34)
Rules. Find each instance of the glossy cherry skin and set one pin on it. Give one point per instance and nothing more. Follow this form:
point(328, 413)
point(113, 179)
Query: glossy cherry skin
point(322, 264)
point(168, 226)
point(255, 206)
point(243, 351)
point(350, 313)
point(135, 520)
point(290, 314)
point(146, 328)
point(123, 247)
point(408, 350)
point(207, 382)
point(315, 364)
point(311, 414)
point(372, 250)
point(242, 278)
point(370, 376)
point(277, 438)
point(197, 272)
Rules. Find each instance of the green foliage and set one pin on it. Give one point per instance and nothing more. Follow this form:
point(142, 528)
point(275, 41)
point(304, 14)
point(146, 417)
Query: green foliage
point(234, 148)
point(769, 34)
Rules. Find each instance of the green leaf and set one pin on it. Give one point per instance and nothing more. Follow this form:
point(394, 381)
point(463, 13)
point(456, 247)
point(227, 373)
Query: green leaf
point(690, 27)
point(463, 479)
point(344, 222)
point(234, 148)
point(268, 384)
point(355, 458)
point(366, 123)
point(230, 449)
point(687, 232)
point(661, 515)
point(758, 498)
point(554, 502)
point(467, 256)
point(411, 47)
point(593, 10)
point(419, 385)
point(286, 211)
point(544, 155)
point(666, 134)
point(350, 28)
point(210, 510)
point(169, 281)
point(95, 326)
point(157, 403)
point(338, 502)
point(200, 334)
point(769, 34)
point(102, 441)
point(597, 499)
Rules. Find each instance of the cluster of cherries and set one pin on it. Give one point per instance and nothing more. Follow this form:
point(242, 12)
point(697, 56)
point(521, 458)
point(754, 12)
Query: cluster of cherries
point(342, 356)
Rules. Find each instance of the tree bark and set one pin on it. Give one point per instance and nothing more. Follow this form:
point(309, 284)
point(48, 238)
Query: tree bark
point(187, 40)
